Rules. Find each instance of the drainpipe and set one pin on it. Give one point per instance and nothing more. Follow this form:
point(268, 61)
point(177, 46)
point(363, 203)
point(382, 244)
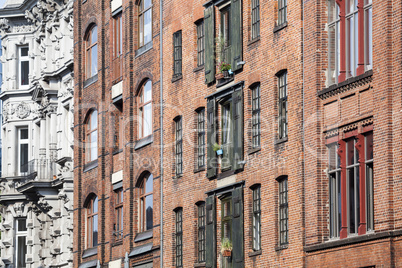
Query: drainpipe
point(161, 121)
point(304, 141)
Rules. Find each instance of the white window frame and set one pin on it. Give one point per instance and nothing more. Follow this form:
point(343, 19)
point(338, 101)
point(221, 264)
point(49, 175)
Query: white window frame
point(20, 60)
point(19, 234)
point(20, 142)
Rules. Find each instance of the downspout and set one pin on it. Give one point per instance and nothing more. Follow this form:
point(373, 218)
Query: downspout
point(161, 122)
point(303, 143)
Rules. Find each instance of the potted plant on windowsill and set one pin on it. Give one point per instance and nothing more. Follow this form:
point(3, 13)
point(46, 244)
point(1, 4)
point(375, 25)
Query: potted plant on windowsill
point(226, 247)
point(217, 148)
point(225, 69)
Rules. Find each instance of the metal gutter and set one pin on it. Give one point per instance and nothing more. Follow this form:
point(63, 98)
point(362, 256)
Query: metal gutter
point(161, 123)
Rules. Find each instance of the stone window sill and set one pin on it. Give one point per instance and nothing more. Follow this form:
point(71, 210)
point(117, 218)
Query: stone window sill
point(90, 252)
point(143, 236)
point(143, 49)
point(254, 150)
point(90, 81)
point(280, 27)
point(281, 247)
point(200, 264)
point(91, 165)
point(177, 78)
point(198, 68)
point(253, 41)
point(199, 169)
point(255, 253)
point(283, 140)
point(144, 142)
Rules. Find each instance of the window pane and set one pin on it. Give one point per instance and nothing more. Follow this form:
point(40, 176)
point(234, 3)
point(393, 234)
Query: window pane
point(147, 120)
point(147, 3)
point(22, 225)
point(149, 184)
point(24, 51)
point(24, 134)
point(95, 231)
point(22, 251)
point(94, 145)
point(94, 35)
point(23, 157)
point(149, 211)
point(141, 19)
point(350, 152)
point(94, 60)
point(94, 120)
point(148, 26)
point(95, 205)
point(369, 146)
point(369, 38)
point(24, 73)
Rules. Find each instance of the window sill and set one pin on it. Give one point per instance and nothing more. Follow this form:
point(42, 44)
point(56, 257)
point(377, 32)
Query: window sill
point(198, 68)
point(225, 174)
point(178, 176)
point(177, 78)
point(224, 81)
point(200, 264)
point(255, 253)
point(144, 142)
point(143, 49)
point(90, 81)
point(117, 151)
point(199, 169)
point(254, 150)
point(144, 236)
point(283, 140)
point(280, 27)
point(117, 243)
point(91, 165)
point(281, 247)
point(253, 41)
point(335, 88)
point(90, 252)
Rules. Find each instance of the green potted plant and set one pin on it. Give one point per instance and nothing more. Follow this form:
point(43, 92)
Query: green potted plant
point(217, 148)
point(225, 68)
point(226, 247)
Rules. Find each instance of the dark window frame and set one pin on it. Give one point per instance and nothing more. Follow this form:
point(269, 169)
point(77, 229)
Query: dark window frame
point(89, 46)
point(282, 12)
point(179, 146)
point(141, 27)
point(201, 223)
point(256, 116)
point(255, 19)
point(119, 217)
point(179, 237)
point(256, 208)
point(177, 54)
point(143, 194)
point(283, 211)
point(200, 43)
point(283, 105)
point(117, 60)
point(201, 138)
point(91, 219)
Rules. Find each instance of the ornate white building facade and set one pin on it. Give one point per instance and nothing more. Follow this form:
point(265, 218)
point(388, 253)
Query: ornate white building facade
point(37, 93)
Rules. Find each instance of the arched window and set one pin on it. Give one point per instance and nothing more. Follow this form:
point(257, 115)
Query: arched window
point(146, 203)
point(91, 52)
point(92, 136)
point(145, 110)
point(92, 222)
point(145, 22)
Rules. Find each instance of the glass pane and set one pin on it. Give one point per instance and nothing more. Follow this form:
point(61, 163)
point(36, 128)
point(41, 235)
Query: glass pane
point(21, 251)
point(94, 35)
point(149, 184)
point(22, 225)
point(149, 211)
point(94, 60)
point(94, 120)
point(24, 134)
point(24, 51)
point(369, 38)
point(94, 145)
point(95, 205)
point(148, 26)
point(351, 200)
point(23, 157)
point(332, 53)
point(148, 91)
point(147, 3)
point(24, 73)
point(350, 144)
point(369, 146)
point(141, 19)
point(95, 231)
point(147, 119)
point(332, 16)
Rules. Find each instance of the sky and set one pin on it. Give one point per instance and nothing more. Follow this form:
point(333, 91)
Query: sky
point(2, 3)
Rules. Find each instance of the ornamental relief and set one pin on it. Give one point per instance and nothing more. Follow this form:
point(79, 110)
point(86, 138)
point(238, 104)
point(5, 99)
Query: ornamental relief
point(23, 110)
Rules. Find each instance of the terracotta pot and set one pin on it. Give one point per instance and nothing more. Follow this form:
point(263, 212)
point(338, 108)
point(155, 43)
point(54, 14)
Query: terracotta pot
point(227, 253)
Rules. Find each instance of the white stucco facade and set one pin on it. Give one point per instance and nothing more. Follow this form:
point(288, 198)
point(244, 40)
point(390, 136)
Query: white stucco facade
point(36, 184)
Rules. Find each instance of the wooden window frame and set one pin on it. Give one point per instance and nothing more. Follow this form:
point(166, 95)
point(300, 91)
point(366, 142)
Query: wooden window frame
point(89, 46)
point(89, 131)
point(91, 215)
point(177, 54)
point(117, 60)
point(334, 183)
point(141, 107)
point(142, 203)
point(141, 26)
point(179, 237)
point(256, 116)
point(255, 19)
point(119, 217)
point(200, 43)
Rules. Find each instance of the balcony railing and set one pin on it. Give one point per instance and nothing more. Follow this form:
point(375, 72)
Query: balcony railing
point(40, 169)
point(117, 71)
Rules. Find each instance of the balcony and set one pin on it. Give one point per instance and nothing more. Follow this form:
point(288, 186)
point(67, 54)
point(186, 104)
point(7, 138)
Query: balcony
point(39, 169)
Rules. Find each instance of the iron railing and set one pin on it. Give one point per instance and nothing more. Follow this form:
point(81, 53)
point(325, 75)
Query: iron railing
point(40, 169)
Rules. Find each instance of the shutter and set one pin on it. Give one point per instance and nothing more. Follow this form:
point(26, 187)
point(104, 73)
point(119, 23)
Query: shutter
point(236, 34)
point(209, 24)
point(237, 228)
point(237, 119)
point(210, 233)
point(212, 160)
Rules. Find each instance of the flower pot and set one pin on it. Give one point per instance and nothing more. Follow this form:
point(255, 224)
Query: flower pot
point(219, 152)
point(226, 74)
point(227, 253)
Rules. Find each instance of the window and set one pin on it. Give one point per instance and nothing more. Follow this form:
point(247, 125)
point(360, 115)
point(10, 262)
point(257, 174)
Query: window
point(23, 66)
point(226, 218)
point(255, 117)
point(225, 34)
point(146, 203)
point(23, 149)
point(91, 55)
point(177, 54)
point(20, 243)
point(117, 47)
point(357, 219)
point(145, 22)
point(257, 218)
point(115, 119)
point(255, 19)
point(145, 110)
point(201, 138)
point(334, 174)
point(353, 36)
point(92, 136)
point(179, 146)
point(200, 43)
point(179, 237)
point(226, 133)
point(201, 232)
point(283, 211)
point(118, 209)
point(282, 6)
point(92, 222)
point(283, 106)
